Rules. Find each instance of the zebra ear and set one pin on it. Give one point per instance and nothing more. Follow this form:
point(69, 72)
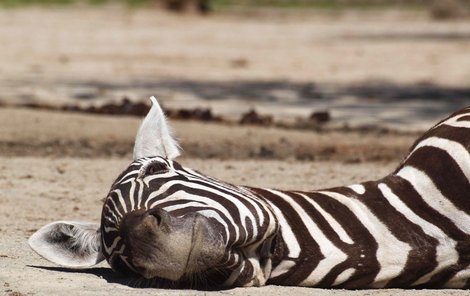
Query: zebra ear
point(68, 243)
point(154, 137)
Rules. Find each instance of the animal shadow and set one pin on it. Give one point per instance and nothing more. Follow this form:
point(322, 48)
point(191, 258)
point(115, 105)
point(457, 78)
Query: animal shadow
point(114, 277)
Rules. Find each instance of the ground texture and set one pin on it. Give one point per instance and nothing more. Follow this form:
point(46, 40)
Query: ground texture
point(395, 68)
point(42, 188)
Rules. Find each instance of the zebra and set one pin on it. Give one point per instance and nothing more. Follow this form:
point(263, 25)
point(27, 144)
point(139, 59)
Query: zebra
point(178, 227)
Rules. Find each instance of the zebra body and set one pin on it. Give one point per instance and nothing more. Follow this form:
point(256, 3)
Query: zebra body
point(172, 224)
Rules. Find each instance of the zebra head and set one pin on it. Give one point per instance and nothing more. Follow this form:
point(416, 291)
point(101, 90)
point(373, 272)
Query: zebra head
point(166, 222)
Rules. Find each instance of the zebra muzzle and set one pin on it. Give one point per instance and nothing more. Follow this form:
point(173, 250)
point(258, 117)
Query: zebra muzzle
point(162, 245)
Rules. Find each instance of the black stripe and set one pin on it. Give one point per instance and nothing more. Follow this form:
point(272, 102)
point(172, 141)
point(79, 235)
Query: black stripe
point(456, 134)
point(367, 267)
point(329, 232)
point(445, 173)
point(422, 256)
point(310, 254)
point(464, 118)
point(415, 202)
point(228, 205)
point(444, 131)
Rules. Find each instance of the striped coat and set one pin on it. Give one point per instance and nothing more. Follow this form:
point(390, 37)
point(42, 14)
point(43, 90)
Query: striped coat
point(408, 229)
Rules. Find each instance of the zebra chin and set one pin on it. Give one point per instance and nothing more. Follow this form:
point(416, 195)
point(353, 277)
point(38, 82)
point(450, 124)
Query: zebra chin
point(160, 245)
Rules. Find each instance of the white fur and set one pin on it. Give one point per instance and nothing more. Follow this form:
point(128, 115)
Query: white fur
point(344, 276)
point(392, 253)
point(154, 137)
point(343, 235)
point(434, 198)
point(84, 235)
point(455, 150)
point(332, 255)
point(446, 254)
point(358, 188)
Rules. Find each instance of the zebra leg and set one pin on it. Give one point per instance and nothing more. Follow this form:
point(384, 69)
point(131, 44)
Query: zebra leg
point(69, 243)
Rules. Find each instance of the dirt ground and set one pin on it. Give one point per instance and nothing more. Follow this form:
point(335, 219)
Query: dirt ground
point(392, 68)
point(38, 188)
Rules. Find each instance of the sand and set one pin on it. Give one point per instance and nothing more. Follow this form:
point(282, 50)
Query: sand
point(396, 68)
point(39, 189)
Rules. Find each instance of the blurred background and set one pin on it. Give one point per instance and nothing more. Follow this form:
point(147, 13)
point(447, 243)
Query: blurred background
point(402, 64)
point(291, 94)
point(380, 66)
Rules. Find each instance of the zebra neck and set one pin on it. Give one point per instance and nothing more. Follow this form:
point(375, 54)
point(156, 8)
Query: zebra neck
point(374, 234)
point(323, 239)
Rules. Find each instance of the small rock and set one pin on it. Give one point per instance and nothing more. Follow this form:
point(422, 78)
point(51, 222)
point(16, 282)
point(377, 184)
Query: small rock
point(239, 63)
point(252, 117)
point(320, 116)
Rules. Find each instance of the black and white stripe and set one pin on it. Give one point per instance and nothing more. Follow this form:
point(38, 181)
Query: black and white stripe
point(408, 229)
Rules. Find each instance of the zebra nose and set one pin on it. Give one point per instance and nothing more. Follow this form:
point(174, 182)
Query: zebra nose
point(130, 221)
point(139, 223)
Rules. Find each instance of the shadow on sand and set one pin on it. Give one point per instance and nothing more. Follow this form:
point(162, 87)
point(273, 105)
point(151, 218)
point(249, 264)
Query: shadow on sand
point(428, 100)
point(113, 277)
point(102, 272)
point(275, 89)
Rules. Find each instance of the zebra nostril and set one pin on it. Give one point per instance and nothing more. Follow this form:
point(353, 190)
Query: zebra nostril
point(158, 214)
point(158, 218)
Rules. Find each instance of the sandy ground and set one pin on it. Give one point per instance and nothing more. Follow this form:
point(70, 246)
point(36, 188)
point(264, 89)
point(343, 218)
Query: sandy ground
point(40, 133)
point(398, 69)
point(42, 188)
point(394, 68)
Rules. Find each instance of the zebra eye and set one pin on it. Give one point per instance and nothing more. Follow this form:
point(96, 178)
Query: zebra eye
point(156, 168)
